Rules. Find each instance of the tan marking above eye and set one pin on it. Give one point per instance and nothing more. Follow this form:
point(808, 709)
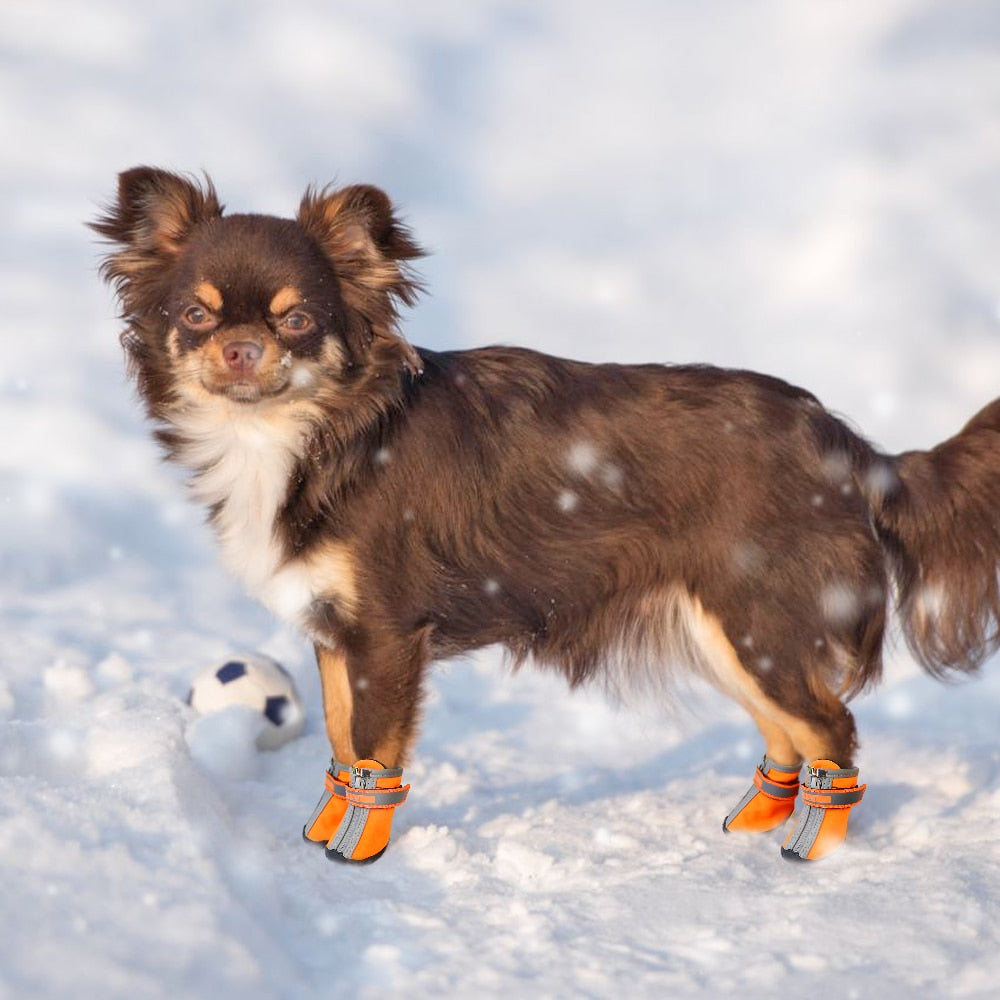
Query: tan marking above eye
point(285, 299)
point(209, 296)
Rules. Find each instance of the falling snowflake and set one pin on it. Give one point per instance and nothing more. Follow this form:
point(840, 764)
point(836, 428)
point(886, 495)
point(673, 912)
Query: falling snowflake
point(881, 479)
point(567, 501)
point(611, 476)
point(582, 458)
point(836, 466)
point(840, 604)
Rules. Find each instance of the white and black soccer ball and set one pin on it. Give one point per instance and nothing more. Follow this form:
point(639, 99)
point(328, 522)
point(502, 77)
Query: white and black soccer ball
point(261, 685)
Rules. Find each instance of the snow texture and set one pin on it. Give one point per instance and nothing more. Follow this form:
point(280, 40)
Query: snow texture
point(808, 189)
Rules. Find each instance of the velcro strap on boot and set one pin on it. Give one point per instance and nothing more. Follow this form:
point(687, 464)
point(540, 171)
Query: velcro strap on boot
point(775, 789)
point(832, 798)
point(332, 778)
point(372, 798)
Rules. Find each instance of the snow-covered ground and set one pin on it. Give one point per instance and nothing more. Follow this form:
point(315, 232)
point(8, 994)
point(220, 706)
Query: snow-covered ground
point(807, 188)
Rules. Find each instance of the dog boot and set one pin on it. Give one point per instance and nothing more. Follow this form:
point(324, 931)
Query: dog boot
point(769, 802)
point(332, 805)
point(355, 813)
point(828, 795)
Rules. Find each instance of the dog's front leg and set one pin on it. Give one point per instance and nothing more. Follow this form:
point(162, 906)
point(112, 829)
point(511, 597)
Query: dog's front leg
point(371, 691)
point(338, 701)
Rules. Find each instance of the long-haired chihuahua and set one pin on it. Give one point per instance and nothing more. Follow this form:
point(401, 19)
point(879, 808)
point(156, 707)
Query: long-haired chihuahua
point(614, 522)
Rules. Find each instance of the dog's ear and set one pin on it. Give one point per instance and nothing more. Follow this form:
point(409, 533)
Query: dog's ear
point(358, 230)
point(152, 218)
point(369, 247)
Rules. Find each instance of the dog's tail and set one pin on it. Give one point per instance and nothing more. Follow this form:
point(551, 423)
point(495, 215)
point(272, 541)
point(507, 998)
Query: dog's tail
point(937, 514)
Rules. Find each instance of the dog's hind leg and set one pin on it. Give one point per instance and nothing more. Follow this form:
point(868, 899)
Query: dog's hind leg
point(825, 736)
point(800, 720)
point(771, 798)
point(778, 745)
point(828, 793)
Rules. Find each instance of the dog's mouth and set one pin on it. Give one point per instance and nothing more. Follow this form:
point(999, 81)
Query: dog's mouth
point(243, 392)
point(246, 389)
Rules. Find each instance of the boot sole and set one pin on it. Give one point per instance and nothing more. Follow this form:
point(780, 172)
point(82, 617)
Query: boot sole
point(337, 856)
point(791, 855)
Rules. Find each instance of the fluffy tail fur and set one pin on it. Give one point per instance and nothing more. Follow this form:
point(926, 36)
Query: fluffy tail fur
point(937, 514)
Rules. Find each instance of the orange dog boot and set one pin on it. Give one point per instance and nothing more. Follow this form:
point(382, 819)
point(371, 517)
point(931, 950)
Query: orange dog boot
point(331, 807)
point(769, 802)
point(828, 796)
point(370, 797)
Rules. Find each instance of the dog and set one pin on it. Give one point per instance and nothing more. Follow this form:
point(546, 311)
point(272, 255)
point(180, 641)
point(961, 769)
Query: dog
point(612, 522)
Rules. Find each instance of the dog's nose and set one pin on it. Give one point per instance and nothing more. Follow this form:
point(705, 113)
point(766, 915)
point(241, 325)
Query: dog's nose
point(242, 355)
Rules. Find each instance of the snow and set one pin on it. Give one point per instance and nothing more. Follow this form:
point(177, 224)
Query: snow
point(804, 189)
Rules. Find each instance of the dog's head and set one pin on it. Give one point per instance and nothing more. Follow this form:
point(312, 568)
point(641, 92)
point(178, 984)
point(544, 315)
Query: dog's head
point(254, 308)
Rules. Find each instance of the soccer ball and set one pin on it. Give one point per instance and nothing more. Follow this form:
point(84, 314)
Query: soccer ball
point(259, 683)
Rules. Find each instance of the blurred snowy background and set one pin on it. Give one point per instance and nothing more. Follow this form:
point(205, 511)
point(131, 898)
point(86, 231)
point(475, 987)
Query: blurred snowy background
point(804, 187)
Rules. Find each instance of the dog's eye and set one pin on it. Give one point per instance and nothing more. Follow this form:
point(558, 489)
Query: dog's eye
point(296, 322)
point(197, 318)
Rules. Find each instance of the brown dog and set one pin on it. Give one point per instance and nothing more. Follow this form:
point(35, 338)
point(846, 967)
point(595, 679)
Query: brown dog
point(609, 521)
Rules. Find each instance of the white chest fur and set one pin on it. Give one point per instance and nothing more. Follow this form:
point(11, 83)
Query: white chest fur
point(242, 458)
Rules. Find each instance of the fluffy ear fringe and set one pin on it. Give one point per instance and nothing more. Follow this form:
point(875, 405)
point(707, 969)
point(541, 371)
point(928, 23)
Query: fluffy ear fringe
point(358, 229)
point(370, 249)
point(153, 215)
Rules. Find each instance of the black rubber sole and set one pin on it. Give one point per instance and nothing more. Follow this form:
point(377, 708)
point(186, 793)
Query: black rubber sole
point(337, 856)
point(791, 855)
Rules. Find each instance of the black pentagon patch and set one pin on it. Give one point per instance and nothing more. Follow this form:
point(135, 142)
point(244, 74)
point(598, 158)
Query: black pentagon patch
point(275, 708)
point(230, 671)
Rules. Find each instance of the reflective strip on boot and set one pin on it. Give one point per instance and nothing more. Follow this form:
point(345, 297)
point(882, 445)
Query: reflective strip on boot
point(333, 781)
point(317, 812)
point(775, 789)
point(766, 764)
point(346, 838)
point(833, 799)
point(372, 798)
point(740, 806)
point(822, 799)
point(769, 787)
point(362, 796)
